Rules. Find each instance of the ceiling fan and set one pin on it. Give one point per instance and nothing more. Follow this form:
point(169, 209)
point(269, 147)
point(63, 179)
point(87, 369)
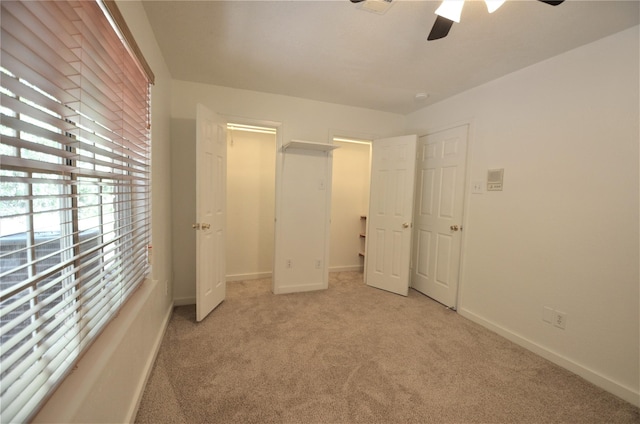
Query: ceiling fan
point(450, 11)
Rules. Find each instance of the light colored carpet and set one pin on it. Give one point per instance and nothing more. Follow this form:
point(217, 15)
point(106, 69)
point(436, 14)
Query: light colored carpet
point(354, 354)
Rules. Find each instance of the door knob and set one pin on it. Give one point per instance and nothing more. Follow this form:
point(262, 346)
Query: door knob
point(406, 225)
point(454, 228)
point(205, 226)
point(195, 226)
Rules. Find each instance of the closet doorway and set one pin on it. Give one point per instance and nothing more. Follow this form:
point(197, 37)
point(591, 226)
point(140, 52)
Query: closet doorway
point(251, 169)
point(349, 203)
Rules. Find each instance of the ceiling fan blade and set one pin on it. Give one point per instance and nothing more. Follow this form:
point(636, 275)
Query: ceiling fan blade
point(552, 2)
point(440, 28)
point(356, 1)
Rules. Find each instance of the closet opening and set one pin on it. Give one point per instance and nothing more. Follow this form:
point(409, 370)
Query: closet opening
point(251, 180)
point(349, 203)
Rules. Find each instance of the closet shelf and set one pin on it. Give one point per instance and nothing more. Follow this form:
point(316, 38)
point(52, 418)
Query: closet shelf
point(309, 145)
point(363, 235)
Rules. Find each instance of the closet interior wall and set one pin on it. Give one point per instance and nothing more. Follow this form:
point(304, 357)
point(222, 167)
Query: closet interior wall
point(251, 168)
point(349, 201)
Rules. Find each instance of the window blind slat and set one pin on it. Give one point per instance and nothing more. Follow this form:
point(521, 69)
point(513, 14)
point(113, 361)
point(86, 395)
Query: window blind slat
point(42, 289)
point(140, 197)
point(4, 294)
point(47, 17)
point(33, 379)
point(103, 110)
point(117, 163)
point(20, 60)
point(42, 324)
point(22, 124)
point(40, 148)
point(20, 89)
point(42, 40)
point(10, 162)
point(62, 92)
point(96, 304)
point(103, 49)
point(41, 384)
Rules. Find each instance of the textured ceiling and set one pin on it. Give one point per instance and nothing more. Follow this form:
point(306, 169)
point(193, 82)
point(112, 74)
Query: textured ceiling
point(335, 52)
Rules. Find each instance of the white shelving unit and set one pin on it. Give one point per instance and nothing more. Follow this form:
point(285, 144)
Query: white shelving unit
point(309, 145)
point(363, 235)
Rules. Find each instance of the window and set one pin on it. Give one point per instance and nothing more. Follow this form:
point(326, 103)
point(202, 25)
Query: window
point(74, 189)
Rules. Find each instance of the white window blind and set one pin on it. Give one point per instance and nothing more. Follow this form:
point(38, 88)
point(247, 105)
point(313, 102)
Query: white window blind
point(74, 190)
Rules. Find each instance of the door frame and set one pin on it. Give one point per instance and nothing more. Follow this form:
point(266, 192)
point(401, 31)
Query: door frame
point(278, 174)
point(278, 137)
point(362, 138)
point(466, 198)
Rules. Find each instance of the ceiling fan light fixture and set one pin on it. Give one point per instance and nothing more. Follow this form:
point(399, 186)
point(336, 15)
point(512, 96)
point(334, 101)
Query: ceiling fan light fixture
point(451, 9)
point(376, 6)
point(493, 5)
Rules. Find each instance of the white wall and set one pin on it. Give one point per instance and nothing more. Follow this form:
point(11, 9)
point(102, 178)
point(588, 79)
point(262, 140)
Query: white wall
point(564, 232)
point(251, 179)
point(110, 377)
point(349, 200)
point(303, 212)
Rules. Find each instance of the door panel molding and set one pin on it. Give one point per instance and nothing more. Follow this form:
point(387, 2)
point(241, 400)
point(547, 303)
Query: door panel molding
point(442, 155)
point(211, 149)
point(391, 213)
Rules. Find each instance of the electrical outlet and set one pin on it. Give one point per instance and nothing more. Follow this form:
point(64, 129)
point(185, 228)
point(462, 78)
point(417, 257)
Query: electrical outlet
point(318, 263)
point(477, 187)
point(288, 263)
point(560, 320)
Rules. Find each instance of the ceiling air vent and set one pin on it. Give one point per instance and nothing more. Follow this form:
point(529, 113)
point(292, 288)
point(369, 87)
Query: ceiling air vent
point(376, 6)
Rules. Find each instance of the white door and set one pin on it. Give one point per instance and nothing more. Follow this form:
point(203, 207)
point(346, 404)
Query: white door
point(388, 251)
point(438, 214)
point(211, 162)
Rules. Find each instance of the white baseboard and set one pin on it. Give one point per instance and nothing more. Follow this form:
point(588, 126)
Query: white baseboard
point(591, 376)
point(249, 276)
point(268, 274)
point(300, 288)
point(183, 301)
point(349, 268)
point(148, 366)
